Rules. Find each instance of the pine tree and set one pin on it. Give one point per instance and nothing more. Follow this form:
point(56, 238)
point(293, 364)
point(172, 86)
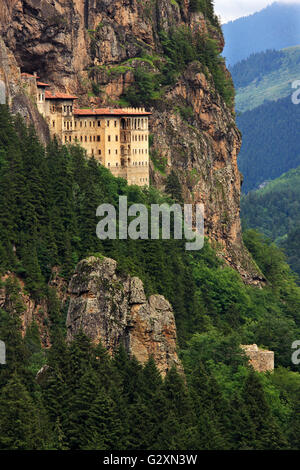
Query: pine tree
point(19, 420)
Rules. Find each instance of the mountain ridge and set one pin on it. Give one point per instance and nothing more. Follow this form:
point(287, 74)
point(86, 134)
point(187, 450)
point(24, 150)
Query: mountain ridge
point(276, 27)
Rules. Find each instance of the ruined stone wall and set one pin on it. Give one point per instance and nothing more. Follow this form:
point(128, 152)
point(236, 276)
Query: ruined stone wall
point(260, 359)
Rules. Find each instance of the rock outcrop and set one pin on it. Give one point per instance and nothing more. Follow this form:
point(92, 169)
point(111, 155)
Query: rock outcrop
point(113, 309)
point(14, 94)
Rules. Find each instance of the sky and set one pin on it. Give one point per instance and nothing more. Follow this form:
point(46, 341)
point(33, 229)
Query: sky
point(232, 9)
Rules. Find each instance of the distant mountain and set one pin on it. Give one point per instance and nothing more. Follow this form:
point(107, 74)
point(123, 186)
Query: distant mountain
point(275, 211)
point(271, 144)
point(265, 76)
point(275, 27)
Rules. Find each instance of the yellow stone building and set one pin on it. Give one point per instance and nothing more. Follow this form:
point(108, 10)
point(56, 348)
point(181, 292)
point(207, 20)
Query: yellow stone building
point(118, 138)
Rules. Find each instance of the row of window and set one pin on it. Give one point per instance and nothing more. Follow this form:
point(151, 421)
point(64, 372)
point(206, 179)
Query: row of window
point(140, 137)
point(68, 109)
point(133, 163)
point(139, 151)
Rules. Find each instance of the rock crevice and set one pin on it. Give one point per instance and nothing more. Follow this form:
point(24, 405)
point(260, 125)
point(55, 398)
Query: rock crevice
point(113, 309)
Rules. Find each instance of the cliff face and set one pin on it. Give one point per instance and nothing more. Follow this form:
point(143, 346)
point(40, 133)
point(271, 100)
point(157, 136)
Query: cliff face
point(113, 309)
point(97, 45)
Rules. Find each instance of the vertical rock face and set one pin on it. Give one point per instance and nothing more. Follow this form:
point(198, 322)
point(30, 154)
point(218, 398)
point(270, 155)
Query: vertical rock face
point(113, 309)
point(13, 93)
point(76, 44)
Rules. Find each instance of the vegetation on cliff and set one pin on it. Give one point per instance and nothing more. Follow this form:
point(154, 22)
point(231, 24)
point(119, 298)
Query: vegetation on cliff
point(49, 199)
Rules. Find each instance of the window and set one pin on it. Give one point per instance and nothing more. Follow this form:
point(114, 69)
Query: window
point(92, 151)
point(109, 152)
point(66, 139)
point(108, 164)
point(116, 152)
point(80, 123)
point(115, 123)
point(108, 137)
point(99, 151)
point(98, 138)
point(70, 138)
point(90, 123)
point(107, 122)
point(116, 163)
point(91, 138)
point(117, 138)
point(99, 123)
point(81, 139)
point(84, 123)
point(53, 123)
point(85, 138)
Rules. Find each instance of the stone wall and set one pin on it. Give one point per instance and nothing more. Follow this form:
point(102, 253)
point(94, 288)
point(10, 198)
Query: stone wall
point(260, 359)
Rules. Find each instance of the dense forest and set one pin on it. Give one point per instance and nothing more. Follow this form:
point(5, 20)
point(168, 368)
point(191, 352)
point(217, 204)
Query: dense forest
point(256, 65)
point(271, 149)
point(275, 27)
point(265, 76)
point(275, 211)
point(89, 400)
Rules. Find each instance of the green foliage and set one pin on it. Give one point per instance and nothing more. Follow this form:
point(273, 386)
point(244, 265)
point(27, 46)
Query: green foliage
point(159, 161)
point(87, 399)
point(265, 76)
point(180, 47)
point(271, 149)
point(275, 211)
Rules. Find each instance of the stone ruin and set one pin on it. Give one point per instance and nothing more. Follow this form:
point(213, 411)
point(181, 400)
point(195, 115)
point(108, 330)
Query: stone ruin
point(260, 359)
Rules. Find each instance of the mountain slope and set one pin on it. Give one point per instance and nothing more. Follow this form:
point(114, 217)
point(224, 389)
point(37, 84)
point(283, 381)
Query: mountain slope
point(275, 211)
point(85, 399)
point(162, 54)
point(271, 143)
point(274, 27)
point(265, 76)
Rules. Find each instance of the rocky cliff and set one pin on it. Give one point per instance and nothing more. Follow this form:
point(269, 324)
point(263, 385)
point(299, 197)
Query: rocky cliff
point(113, 309)
point(96, 47)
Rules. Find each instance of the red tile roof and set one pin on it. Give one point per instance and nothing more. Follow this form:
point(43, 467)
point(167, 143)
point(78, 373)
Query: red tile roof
point(29, 75)
point(59, 96)
point(110, 112)
point(42, 84)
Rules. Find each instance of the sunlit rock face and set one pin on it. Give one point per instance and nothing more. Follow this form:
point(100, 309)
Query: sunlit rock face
point(113, 309)
point(73, 44)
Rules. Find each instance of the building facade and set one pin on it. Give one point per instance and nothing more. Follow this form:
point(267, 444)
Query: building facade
point(117, 138)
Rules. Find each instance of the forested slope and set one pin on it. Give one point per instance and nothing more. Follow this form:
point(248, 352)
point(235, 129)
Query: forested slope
point(270, 141)
point(88, 400)
point(275, 211)
point(265, 76)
